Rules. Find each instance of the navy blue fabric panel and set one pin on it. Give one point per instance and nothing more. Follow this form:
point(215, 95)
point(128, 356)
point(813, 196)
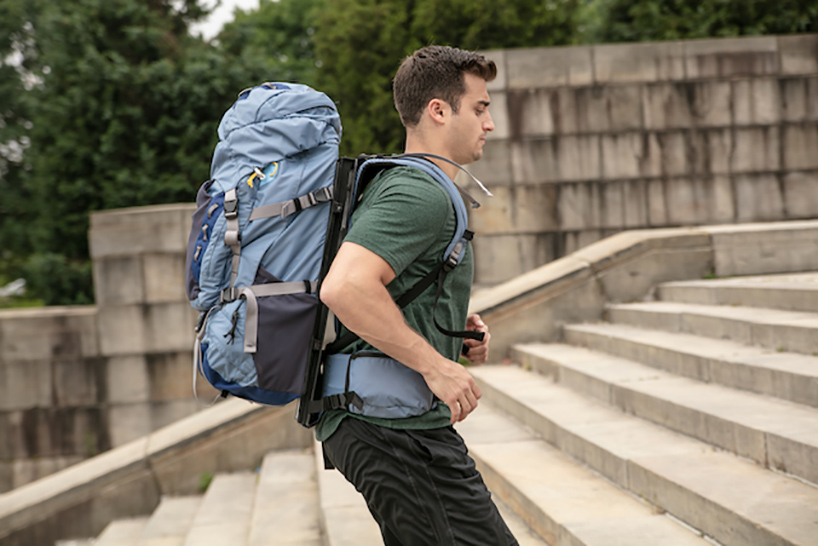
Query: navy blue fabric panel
point(196, 238)
point(248, 393)
point(202, 242)
point(285, 327)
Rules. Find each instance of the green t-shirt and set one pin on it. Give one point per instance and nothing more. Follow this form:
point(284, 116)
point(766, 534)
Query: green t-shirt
point(407, 218)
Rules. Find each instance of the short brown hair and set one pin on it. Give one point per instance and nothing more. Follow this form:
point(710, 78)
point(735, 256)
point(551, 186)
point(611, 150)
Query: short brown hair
point(436, 72)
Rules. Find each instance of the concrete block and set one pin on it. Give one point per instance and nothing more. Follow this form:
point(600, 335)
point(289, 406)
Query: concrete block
point(645, 62)
point(722, 201)
point(800, 194)
point(799, 99)
point(127, 379)
point(612, 205)
point(657, 203)
point(495, 166)
point(50, 332)
point(673, 149)
point(756, 249)
point(689, 201)
point(164, 278)
point(171, 411)
point(134, 231)
point(730, 57)
point(578, 206)
point(502, 257)
point(682, 105)
point(792, 456)
point(633, 280)
point(127, 422)
point(622, 155)
point(27, 471)
point(635, 199)
point(118, 280)
point(77, 382)
point(499, 58)
point(495, 215)
point(549, 67)
point(169, 327)
point(534, 208)
point(715, 152)
point(800, 143)
point(573, 241)
point(758, 198)
point(122, 330)
point(756, 149)
point(534, 112)
point(756, 101)
point(799, 54)
point(25, 384)
point(600, 109)
point(169, 377)
point(557, 159)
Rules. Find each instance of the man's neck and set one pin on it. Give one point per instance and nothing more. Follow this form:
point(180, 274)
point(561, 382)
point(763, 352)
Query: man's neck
point(418, 148)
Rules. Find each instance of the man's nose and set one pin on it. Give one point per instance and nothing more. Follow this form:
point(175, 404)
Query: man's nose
point(489, 124)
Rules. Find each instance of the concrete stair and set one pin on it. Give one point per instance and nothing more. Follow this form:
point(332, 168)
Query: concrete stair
point(703, 404)
point(691, 420)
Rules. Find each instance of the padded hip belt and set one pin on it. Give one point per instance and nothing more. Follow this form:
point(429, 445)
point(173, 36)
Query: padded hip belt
point(388, 388)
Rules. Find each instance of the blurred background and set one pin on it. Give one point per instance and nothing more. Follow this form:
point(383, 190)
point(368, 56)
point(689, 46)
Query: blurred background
point(115, 103)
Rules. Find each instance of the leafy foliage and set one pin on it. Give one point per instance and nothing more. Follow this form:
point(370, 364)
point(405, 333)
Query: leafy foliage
point(122, 110)
point(648, 20)
point(111, 103)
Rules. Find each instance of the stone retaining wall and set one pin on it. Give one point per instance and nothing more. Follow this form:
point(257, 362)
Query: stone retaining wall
point(590, 141)
point(77, 381)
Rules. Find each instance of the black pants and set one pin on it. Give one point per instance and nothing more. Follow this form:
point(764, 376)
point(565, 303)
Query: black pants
point(421, 486)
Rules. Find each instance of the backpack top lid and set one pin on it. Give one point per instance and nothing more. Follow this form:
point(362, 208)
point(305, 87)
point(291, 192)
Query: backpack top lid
point(271, 122)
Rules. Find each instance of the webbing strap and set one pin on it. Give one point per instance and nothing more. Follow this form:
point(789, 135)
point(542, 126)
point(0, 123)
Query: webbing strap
point(287, 208)
point(250, 293)
point(231, 236)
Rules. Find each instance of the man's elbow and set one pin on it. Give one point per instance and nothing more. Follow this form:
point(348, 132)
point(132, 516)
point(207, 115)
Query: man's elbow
point(330, 293)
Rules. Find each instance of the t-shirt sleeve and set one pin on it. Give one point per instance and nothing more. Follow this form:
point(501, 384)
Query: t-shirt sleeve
point(402, 218)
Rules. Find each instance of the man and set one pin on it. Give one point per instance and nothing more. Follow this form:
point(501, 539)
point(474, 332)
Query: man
point(415, 474)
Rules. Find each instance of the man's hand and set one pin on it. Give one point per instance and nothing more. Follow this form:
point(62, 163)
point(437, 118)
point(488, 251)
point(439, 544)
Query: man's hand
point(478, 350)
point(455, 386)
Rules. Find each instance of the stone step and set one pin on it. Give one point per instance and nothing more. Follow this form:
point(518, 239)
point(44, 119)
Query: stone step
point(224, 514)
point(77, 542)
point(524, 534)
point(793, 292)
point(772, 432)
point(170, 522)
point(732, 500)
point(771, 328)
point(286, 507)
point(790, 376)
point(122, 532)
point(563, 501)
point(345, 519)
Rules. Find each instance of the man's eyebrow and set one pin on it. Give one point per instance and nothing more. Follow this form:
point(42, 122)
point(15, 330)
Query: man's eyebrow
point(485, 103)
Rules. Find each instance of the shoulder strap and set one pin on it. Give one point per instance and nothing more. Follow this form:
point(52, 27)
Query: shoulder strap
point(454, 253)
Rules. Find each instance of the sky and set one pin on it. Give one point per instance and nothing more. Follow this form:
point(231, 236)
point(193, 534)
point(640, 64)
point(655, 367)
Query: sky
point(211, 26)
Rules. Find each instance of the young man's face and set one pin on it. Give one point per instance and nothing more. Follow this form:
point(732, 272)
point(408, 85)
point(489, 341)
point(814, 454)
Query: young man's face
point(472, 122)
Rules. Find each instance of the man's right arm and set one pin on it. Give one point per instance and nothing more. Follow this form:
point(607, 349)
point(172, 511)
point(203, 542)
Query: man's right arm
point(355, 290)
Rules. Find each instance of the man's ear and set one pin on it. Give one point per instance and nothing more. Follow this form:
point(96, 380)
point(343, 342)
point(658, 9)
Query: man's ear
point(438, 110)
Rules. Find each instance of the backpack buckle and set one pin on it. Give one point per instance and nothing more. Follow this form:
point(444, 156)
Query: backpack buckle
point(229, 295)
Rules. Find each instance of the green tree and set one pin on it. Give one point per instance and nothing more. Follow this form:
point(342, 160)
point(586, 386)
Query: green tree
point(360, 43)
point(122, 111)
point(277, 38)
point(650, 20)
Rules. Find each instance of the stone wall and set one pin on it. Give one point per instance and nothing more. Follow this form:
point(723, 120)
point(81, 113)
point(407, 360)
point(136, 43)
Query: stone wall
point(76, 381)
point(590, 141)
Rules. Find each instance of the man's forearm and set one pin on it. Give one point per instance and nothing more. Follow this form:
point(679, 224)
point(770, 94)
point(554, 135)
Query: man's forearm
point(371, 313)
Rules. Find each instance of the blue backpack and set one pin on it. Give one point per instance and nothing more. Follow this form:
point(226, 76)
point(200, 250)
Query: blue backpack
point(266, 228)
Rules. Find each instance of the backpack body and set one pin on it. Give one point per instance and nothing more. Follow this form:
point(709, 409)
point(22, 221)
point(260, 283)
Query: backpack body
point(257, 241)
